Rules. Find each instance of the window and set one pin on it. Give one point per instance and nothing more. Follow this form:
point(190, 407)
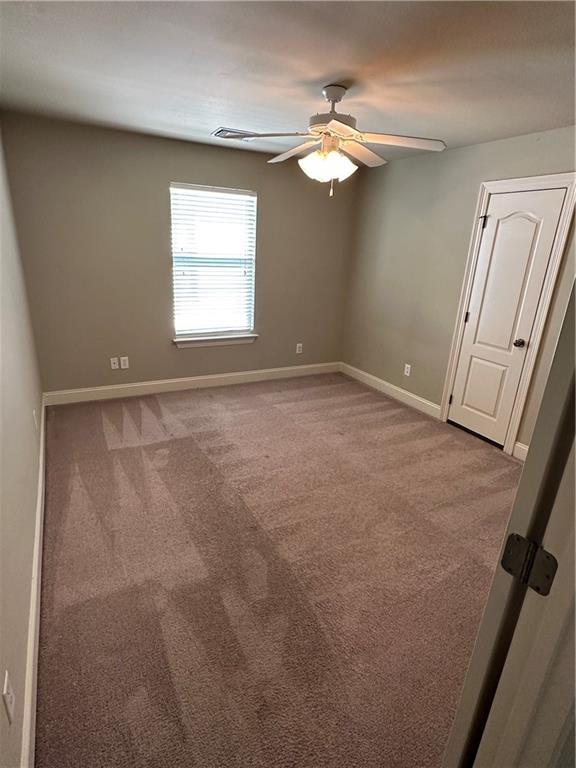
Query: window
point(213, 258)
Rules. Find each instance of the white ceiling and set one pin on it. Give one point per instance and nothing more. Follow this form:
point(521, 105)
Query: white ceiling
point(465, 72)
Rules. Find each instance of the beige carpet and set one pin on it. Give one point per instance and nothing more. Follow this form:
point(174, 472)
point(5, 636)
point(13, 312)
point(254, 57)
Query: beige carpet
point(283, 574)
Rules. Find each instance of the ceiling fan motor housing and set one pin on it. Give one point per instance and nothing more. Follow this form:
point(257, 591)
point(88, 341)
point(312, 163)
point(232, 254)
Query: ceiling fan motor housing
point(319, 121)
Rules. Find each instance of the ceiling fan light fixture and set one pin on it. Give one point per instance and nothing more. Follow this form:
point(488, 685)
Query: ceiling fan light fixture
point(327, 166)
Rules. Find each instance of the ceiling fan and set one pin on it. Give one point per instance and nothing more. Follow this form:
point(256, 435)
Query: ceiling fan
point(337, 140)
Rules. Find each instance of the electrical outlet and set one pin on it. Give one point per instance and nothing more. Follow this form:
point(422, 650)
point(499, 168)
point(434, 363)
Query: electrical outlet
point(299, 348)
point(124, 363)
point(9, 697)
point(114, 363)
point(407, 369)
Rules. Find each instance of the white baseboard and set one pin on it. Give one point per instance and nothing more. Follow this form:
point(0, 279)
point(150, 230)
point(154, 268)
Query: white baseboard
point(29, 716)
point(59, 397)
point(520, 451)
point(408, 398)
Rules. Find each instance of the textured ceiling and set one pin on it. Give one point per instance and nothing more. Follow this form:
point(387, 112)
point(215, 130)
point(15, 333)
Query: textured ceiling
point(463, 72)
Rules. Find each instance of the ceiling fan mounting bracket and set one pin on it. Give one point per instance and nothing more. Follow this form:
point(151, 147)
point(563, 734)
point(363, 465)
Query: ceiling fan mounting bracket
point(334, 93)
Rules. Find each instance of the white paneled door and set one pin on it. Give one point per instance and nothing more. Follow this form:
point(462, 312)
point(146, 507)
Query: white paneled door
point(513, 258)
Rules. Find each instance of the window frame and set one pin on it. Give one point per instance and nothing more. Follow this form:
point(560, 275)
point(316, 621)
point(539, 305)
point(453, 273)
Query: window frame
point(218, 338)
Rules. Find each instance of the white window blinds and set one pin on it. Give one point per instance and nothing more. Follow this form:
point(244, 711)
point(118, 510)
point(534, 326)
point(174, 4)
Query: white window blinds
point(213, 255)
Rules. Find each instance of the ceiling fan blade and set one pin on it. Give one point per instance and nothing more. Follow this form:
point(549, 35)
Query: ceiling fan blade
point(343, 130)
point(410, 142)
point(295, 151)
point(362, 153)
point(233, 133)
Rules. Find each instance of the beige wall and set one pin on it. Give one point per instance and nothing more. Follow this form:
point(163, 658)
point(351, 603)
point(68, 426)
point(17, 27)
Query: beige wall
point(414, 219)
point(92, 209)
point(19, 452)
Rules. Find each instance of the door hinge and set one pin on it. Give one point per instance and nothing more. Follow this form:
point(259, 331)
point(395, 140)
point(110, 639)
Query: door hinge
point(484, 220)
point(529, 563)
point(467, 317)
point(450, 399)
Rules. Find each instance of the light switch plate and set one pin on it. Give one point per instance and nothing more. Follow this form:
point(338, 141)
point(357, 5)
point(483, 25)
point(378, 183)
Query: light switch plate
point(124, 362)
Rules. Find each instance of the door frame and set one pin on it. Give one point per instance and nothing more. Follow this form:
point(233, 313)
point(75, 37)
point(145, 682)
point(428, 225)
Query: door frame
point(487, 188)
point(522, 701)
point(534, 505)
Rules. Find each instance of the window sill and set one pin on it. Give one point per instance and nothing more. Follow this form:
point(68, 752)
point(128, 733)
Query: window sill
point(215, 341)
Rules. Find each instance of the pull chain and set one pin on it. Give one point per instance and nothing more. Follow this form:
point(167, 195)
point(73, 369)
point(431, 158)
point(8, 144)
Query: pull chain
point(331, 187)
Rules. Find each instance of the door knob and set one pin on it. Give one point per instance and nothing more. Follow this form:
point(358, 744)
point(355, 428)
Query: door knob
point(519, 343)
